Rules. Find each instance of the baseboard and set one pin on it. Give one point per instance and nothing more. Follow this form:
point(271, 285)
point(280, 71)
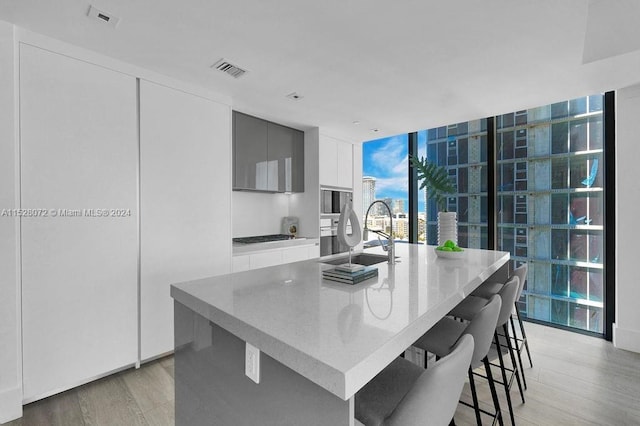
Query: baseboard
point(624, 338)
point(10, 405)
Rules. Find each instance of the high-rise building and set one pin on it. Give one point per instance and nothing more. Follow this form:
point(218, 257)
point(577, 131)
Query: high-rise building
point(368, 192)
point(400, 226)
point(398, 206)
point(549, 202)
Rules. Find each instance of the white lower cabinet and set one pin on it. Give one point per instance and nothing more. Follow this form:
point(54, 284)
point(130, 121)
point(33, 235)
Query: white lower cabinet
point(267, 258)
point(296, 254)
point(245, 262)
point(185, 186)
point(79, 150)
point(240, 263)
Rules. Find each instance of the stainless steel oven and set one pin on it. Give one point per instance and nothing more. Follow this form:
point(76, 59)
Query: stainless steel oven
point(329, 243)
point(331, 204)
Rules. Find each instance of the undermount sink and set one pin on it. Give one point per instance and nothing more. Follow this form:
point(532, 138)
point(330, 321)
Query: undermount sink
point(365, 259)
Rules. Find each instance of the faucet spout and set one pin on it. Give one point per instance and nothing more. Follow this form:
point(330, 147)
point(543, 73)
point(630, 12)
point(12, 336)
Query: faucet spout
point(389, 248)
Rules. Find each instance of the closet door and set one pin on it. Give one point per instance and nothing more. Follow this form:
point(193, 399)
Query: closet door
point(185, 195)
point(79, 153)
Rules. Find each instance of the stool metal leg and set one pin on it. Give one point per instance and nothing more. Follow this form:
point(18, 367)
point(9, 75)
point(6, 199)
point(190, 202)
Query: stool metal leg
point(524, 337)
point(513, 360)
point(494, 394)
point(474, 395)
point(518, 350)
point(505, 382)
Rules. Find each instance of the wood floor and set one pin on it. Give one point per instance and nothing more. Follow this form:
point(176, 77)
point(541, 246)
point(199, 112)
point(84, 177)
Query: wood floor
point(575, 380)
point(133, 397)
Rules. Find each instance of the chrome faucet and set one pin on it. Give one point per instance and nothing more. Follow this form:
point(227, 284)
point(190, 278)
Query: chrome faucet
point(365, 232)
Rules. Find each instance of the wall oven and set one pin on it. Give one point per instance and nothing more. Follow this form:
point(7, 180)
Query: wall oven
point(329, 243)
point(331, 204)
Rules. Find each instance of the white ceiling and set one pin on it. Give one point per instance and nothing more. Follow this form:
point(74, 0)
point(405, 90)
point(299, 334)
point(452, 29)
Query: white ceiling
point(398, 66)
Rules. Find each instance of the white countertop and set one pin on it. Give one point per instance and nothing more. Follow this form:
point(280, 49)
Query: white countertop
point(339, 336)
point(240, 249)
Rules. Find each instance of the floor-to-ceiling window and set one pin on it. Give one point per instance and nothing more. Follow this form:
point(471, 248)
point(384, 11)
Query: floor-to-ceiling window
point(384, 172)
point(550, 208)
point(549, 201)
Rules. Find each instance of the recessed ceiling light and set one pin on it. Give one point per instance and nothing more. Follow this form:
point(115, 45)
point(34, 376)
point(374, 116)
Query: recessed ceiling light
point(356, 122)
point(295, 96)
point(103, 16)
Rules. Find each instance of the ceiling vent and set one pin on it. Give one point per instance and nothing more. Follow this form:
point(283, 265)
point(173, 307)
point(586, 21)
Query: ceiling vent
point(228, 68)
point(103, 16)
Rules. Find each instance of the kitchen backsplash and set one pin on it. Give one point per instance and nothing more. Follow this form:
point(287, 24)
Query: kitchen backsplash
point(257, 213)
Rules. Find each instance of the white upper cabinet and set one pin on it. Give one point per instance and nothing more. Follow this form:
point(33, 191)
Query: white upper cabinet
point(336, 162)
point(185, 194)
point(345, 165)
point(79, 153)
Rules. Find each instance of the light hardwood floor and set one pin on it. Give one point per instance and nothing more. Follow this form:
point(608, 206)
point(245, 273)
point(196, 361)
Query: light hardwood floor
point(575, 380)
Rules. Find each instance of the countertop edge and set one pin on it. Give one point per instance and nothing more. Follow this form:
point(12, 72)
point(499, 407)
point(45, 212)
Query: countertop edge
point(245, 249)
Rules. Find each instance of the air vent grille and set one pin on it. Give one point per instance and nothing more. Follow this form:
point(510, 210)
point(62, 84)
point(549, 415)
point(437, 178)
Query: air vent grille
point(227, 67)
point(103, 16)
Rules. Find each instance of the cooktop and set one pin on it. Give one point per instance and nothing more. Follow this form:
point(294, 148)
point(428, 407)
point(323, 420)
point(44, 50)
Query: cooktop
point(262, 239)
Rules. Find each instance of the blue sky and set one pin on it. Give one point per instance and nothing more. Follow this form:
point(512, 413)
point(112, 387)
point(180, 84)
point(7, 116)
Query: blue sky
point(386, 160)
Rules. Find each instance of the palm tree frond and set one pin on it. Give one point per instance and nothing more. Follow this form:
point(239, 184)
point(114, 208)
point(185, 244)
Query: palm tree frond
point(434, 178)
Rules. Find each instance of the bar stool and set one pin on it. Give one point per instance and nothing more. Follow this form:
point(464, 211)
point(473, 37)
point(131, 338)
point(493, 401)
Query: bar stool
point(405, 394)
point(465, 310)
point(488, 289)
point(439, 339)
point(521, 272)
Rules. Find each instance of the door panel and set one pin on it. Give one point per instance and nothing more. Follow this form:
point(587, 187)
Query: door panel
point(185, 192)
point(79, 272)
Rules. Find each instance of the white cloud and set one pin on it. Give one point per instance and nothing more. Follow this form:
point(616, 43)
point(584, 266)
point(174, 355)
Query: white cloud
point(401, 167)
point(387, 157)
point(395, 186)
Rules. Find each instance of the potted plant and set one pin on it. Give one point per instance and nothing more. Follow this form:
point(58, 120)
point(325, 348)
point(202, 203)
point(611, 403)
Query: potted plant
point(437, 183)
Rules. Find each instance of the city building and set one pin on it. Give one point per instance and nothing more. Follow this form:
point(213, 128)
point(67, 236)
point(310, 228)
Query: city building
point(400, 226)
point(368, 192)
point(398, 206)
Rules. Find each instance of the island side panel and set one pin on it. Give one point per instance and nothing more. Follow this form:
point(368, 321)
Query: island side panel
point(212, 389)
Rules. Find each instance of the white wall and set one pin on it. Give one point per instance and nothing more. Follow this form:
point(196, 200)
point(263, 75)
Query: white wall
point(10, 355)
point(626, 330)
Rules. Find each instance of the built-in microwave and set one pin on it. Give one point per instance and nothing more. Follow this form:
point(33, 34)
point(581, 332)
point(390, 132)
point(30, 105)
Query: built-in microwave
point(332, 201)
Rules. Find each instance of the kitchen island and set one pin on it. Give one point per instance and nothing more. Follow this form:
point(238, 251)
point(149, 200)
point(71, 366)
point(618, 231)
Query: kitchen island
point(319, 341)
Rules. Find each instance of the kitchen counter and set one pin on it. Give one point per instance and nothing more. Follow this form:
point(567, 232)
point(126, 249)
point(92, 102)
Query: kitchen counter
point(331, 336)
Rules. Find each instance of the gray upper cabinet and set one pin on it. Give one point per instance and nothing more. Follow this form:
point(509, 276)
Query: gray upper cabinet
point(266, 156)
point(249, 152)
